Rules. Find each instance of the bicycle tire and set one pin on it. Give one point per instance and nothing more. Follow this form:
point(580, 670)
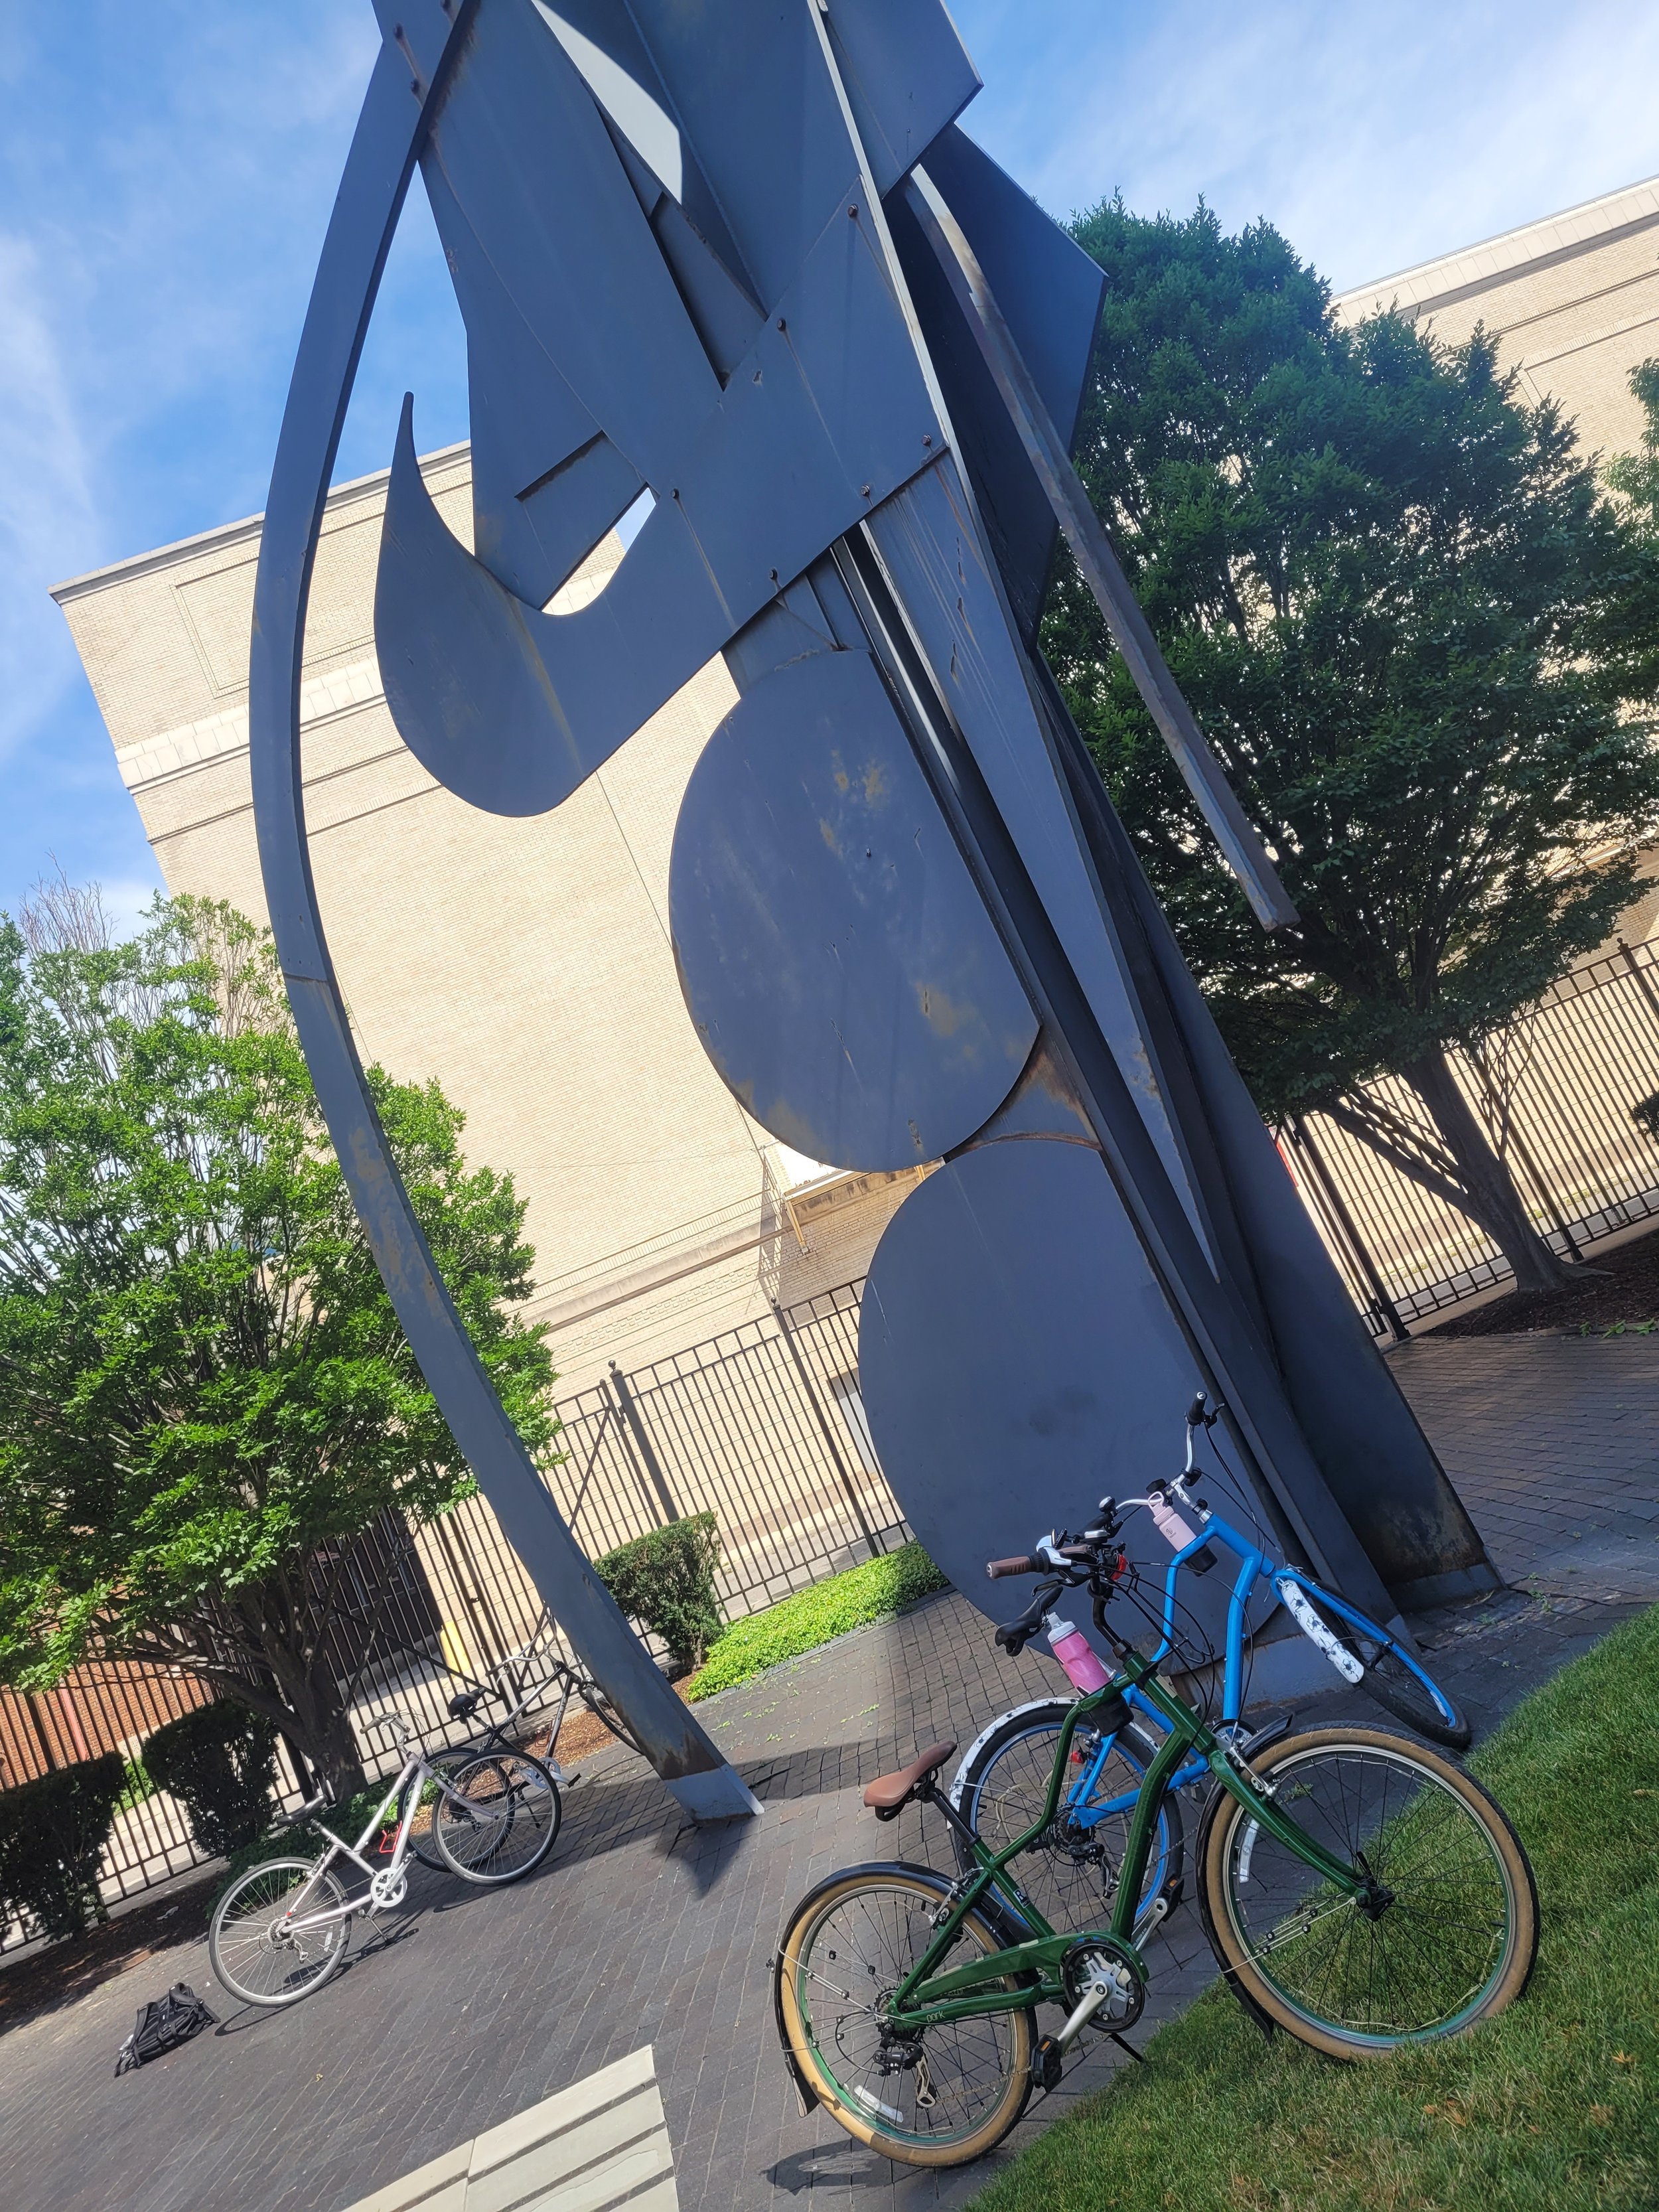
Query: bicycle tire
point(1392, 1678)
point(507, 1795)
point(1082, 1900)
point(1454, 1939)
point(883, 1917)
point(602, 1710)
point(232, 1950)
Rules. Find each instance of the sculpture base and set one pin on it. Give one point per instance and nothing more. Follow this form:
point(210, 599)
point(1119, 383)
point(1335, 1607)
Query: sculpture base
point(720, 1793)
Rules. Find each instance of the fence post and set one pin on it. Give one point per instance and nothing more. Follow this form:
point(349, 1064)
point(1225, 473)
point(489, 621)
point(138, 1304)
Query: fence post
point(637, 1429)
point(822, 1418)
point(1325, 1182)
point(1644, 981)
point(470, 1588)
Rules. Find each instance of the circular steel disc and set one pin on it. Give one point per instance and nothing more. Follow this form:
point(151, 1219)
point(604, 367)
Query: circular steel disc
point(1018, 1362)
point(841, 967)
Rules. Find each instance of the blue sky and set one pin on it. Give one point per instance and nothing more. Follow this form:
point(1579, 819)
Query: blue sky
point(166, 171)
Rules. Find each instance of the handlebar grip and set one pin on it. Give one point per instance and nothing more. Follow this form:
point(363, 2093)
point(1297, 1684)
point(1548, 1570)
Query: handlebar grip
point(1197, 1410)
point(996, 1569)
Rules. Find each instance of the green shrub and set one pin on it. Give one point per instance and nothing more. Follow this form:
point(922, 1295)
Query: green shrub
point(665, 1581)
point(220, 1762)
point(52, 1834)
point(873, 1592)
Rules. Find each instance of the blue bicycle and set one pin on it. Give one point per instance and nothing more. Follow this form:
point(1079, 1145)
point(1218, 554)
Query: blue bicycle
point(1001, 1785)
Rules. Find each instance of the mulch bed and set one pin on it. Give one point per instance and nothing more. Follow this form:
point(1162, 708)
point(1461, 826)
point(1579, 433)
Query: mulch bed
point(1621, 1295)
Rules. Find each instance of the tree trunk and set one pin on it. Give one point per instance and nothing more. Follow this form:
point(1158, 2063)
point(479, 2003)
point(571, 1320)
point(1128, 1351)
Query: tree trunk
point(316, 1717)
point(1489, 1194)
point(325, 1736)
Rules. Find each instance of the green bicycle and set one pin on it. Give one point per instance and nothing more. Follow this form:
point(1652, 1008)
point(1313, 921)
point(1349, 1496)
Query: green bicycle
point(1359, 1890)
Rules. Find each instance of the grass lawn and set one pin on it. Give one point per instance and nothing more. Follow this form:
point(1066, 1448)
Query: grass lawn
point(1554, 2104)
point(812, 1616)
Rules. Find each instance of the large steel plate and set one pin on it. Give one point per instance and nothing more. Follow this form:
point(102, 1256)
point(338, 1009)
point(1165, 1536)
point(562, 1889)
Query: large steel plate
point(1018, 1362)
point(837, 960)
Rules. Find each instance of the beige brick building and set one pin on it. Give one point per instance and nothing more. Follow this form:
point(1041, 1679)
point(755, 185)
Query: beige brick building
point(1573, 302)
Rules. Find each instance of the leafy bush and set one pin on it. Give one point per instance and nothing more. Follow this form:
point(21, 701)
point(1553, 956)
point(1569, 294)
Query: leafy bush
point(52, 1834)
point(871, 1592)
point(667, 1582)
point(1645, 1115)
point(220, 1762)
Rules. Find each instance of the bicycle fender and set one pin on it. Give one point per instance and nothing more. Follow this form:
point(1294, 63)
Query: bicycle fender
point(1259, 2012)
point(1315, 1629)
point(958, 1780)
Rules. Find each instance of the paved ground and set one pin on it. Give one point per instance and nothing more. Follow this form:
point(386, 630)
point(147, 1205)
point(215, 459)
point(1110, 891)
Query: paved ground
point(469, 2008)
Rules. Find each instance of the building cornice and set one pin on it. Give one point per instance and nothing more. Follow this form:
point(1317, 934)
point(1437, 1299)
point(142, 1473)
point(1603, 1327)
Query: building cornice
point(359, 491)
point(1493, 261)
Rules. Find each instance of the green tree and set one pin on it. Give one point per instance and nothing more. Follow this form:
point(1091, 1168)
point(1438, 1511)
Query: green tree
point(1407, 618)
point(205, 1396)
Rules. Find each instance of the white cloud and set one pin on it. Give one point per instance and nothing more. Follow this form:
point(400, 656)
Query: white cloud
point(46, 506)
point(1372, 138)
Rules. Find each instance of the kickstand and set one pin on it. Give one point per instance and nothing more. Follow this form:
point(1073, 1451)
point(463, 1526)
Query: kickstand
point(1124, 2043)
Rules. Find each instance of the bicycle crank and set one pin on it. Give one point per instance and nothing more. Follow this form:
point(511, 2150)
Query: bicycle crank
point(386, 1888)
point(1104, 1986)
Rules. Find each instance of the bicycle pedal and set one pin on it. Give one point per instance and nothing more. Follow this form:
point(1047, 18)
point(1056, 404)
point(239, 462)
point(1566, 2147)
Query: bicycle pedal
point(1048, 2062)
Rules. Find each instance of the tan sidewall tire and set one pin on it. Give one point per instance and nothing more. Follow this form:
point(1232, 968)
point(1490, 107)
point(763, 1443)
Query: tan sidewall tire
point(1523, 1896)
point(964, 2149)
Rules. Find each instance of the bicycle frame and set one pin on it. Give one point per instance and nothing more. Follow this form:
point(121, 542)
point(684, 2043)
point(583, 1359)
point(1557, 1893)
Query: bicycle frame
point(1254, 1564)
point(338, 1847)
point(927, 1998)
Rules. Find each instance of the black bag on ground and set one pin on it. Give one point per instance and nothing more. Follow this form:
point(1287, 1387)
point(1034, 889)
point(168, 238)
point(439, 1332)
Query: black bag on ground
point(163, 2023)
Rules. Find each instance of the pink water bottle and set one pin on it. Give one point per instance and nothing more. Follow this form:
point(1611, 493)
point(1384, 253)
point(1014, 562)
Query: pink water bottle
point(1075, 1654)
point(1170, 1525)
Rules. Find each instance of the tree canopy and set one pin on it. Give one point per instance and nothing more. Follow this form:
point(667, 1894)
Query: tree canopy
point(1407, 617)
point(205, 1395)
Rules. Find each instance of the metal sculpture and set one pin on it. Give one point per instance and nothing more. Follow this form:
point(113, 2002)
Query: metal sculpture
point(735, 262)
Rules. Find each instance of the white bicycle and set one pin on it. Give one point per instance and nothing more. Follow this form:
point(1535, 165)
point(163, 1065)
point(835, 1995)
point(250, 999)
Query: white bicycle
point(283, 1928)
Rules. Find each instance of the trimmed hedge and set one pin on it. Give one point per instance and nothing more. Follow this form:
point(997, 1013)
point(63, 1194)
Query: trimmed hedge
point(220, 1762)
point(666, 1581)
point(875, 1591)
point(52, 1834)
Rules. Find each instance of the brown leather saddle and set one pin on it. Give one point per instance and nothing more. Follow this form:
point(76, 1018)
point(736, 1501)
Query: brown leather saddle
point(889, 1794)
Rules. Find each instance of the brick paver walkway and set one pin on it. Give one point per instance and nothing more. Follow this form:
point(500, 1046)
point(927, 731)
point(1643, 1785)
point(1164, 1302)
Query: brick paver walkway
point(470, 2007)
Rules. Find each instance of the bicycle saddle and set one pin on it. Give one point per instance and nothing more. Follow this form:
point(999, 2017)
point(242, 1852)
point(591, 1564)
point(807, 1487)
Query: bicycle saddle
point(888, 1792)
point(463, 1706)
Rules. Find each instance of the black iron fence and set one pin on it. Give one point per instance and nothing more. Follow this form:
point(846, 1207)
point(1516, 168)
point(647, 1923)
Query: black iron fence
point(763, 1424)
point(1555, 1096)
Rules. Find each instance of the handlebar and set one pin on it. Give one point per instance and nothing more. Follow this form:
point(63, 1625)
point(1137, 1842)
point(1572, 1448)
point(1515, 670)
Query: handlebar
point(996, 1569)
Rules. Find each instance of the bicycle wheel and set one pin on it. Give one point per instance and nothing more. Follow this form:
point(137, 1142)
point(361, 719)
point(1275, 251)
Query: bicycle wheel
point(259, 1958)
point(602, 1709)
point(1392, 1676)
point(421, 1840)
point(496, 1817)
point(1070, 1874)
point(938, 2099)
point(1451, 1932)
